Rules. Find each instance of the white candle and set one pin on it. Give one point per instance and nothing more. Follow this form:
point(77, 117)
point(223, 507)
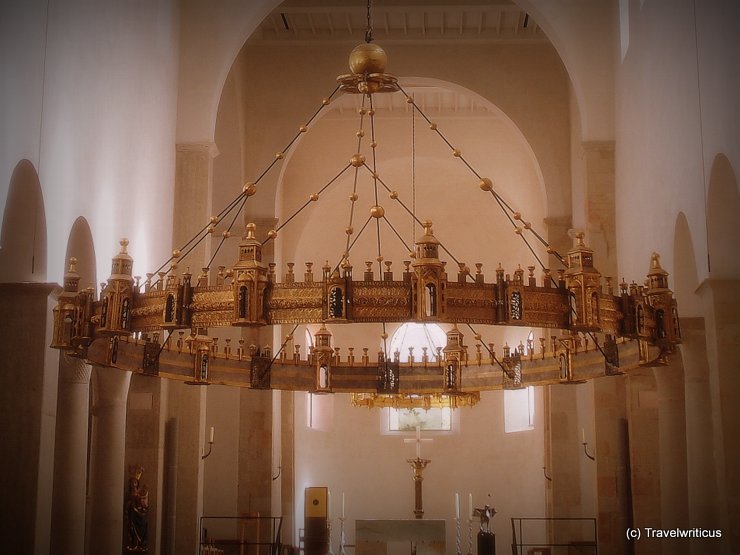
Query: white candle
point(583, 435)
point(470, 505)
point(212, 432)
point(418, 442)
point(457, 505)
point(342, 504)
point(328, 504)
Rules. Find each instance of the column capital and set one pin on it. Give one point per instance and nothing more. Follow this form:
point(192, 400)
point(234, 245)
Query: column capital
point(73, 370)
point(208, 148)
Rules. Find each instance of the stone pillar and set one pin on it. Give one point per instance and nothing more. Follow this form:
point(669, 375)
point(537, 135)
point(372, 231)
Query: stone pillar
point(612, 465)
point(107, 469)
point(674, 497)
point(144, 446)
point(598, 159)
point(28, 369)
point(287, 463)
point(193, 205)
point(255, 452)
point(70, 457)
point(644, 457)
point(186, 414)
point(721, 300)
point(702, 476)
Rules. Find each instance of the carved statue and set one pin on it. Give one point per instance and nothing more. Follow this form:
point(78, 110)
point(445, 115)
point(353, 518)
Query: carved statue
point(137, 509)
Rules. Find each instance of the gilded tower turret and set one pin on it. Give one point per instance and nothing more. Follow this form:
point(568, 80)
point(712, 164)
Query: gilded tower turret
point(64, 311)
point(428, 282)
point(117, 295)
point(583, 282)
point(661, 301)
point(250, 281)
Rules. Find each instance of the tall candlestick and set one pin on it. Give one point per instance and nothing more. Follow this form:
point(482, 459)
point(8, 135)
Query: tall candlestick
point(470, 505)
point(342, 504)
point(457, 505)
point(212, 433)
point(583, 435)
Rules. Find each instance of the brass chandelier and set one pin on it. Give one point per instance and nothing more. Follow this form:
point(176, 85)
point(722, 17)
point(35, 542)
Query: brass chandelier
point(160, 327)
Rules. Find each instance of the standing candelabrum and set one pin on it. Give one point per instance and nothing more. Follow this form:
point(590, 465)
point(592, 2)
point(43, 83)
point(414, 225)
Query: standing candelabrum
point(330, 550)
point(342, 540)
point(457, 537)
point(470, 534)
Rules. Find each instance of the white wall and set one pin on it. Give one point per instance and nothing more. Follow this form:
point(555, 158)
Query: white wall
point(676, 109)
point(369, 466)
point(90, 98)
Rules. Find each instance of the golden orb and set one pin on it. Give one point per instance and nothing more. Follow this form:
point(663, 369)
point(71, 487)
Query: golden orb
point(357, 160)
point(353, 197)
point(176, 253)
point(377, 211)
point(367, 58)
point(249, 189)
point(314, 197)
point(271, 234)
point(486, 184)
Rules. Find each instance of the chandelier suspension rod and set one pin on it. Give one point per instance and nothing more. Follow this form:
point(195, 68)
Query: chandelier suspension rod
point(346, 254)
point(229, 207)
point(413, 170)
point(408, 211)
point(227, 233)
point(357, 170)
point(490, 352)
point(369, 29)
point(457, 154)
point(280, 350)
point(325, 102)
point(315, 196)
point(409, 249)
point(375, 177)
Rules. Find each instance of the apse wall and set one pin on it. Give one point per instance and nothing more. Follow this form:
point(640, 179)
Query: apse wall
point(90, 99)
point(676, 109)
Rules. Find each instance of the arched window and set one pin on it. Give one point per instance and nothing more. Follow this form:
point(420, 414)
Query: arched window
point(418, 336)
point(243, 301)
point(169, 309)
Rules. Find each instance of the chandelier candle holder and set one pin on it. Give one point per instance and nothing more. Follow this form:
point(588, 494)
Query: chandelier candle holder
point(125, 328)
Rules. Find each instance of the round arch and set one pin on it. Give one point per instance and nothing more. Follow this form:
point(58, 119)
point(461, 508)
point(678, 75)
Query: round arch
point(582, 36)
point(80, 245)
point(23, 238)
point(723, 215)
point(685, 275)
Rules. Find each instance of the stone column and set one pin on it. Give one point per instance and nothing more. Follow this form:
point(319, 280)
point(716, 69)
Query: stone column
point(193, 204)
point(674, 497)
point(702, 477)
point(721, 299)
point(600, 212)
point(107, 469)
point(255, 452)
point(186, 411)
point(70, 457)
point(612, 464)
point(644, 457)
point(28, 369)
